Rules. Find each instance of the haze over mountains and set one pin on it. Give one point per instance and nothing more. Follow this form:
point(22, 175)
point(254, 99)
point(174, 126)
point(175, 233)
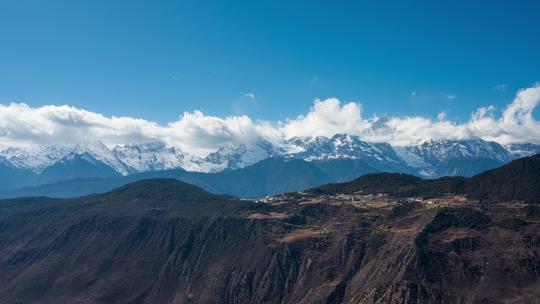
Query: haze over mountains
point(320, 160)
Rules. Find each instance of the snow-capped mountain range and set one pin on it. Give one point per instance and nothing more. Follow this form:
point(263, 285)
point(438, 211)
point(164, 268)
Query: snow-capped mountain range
point(428, 159)
point(380, 156)
point(158, 156)
point(37, 158)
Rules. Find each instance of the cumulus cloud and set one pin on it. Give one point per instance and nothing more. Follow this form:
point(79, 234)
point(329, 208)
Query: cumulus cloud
point(21, 124)
point(516, 124)
point(326, 118)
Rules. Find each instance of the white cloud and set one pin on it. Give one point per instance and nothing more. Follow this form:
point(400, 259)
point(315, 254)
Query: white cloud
point(250, 95)
point(516, 124)
point(200, 134)
point(450, 96)
point(326, 118)
point(193, 131)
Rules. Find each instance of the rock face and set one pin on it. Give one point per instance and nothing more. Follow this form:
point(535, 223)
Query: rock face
point(163, 241)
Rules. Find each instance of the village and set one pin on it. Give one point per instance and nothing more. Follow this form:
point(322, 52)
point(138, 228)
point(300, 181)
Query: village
point(358, 199)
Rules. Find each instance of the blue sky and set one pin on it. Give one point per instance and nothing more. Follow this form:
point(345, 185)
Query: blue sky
point(157, 59)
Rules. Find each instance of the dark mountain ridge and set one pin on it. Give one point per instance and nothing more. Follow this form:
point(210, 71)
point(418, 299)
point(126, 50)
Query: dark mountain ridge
point(518, 180)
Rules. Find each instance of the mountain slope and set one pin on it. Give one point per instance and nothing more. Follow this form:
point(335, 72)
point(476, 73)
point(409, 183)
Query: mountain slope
point(162, 241)
point(518, 180)
point(343, 169)
point(12, 177)
point(76, 166)
point(270, 176)
point(267, 177)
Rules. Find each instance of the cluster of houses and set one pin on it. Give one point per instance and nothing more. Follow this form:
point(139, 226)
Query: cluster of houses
point(300, 197)
point(356, 199)
point(284, 197)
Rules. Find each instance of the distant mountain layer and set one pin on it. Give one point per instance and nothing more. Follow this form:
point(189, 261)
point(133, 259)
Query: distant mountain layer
point(76, 166)
point(267, 177)
point(43, 165)
point(12, 177)
point(518, 180)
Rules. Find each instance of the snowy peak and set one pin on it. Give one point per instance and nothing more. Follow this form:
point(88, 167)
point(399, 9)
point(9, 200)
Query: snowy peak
point(317, 148)
point(380, 156)
point(236, 156)
point(157, 156)
point(102, 153)
point(75, 157)
point(431, 158)
point(433, 151)
point(341, 146)
point(522, 150)
point(37, 158)
point(434, 158)
point(149, 156)
point(34, 158)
